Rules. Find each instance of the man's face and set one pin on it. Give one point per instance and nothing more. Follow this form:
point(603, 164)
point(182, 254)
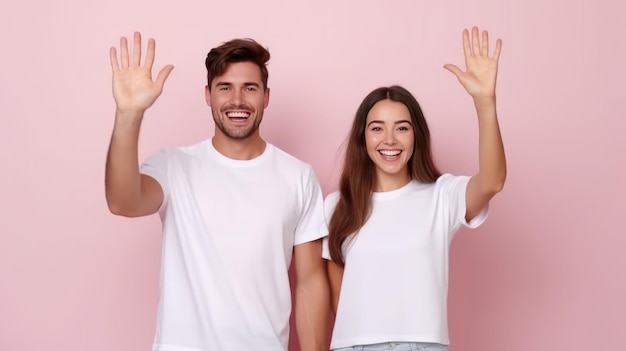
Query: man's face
point(238, 99)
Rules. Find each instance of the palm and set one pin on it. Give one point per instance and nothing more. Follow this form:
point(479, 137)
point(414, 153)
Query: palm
point(133, 87)
point(479, 78)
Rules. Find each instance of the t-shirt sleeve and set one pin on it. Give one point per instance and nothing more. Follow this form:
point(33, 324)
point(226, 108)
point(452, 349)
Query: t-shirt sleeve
point(155, 166)
point(452, 190)
point(312, 214)
point(329, 207)
point(325, 249)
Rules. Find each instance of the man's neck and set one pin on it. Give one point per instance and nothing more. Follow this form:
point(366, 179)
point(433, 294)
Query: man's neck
point(239, 149)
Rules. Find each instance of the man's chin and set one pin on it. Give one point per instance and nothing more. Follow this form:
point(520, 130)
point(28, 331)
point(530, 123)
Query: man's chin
point(238, 133)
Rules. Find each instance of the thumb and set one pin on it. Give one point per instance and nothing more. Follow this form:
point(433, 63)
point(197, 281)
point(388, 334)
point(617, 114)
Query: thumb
point(163, 74)
point(454, 69)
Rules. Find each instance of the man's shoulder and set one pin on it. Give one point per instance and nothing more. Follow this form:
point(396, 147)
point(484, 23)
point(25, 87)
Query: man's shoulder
point(288, 159)
point(183, 151)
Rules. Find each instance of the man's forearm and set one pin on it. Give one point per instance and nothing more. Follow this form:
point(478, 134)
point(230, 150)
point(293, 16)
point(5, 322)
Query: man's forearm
point(312, 307)
point(122, 178)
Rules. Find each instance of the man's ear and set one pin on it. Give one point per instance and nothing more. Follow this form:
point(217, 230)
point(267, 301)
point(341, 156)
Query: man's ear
point(267, 97)
point(207, 95)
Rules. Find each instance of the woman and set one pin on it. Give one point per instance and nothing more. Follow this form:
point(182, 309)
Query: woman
point(392, 221)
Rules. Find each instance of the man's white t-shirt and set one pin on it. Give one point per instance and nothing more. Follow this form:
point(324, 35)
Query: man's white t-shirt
point(395, 280)
point(229, 228)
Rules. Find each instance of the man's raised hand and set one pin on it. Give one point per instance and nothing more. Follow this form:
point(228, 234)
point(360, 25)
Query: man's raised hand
point(133, 88)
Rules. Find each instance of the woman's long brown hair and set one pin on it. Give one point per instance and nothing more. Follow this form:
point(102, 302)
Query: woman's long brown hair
point(357, 179)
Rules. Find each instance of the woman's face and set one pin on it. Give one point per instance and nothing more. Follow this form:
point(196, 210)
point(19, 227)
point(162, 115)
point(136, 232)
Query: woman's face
point(389, 140)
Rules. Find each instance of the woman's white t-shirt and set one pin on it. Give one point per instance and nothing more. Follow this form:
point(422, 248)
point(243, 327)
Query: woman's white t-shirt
point(395, 281)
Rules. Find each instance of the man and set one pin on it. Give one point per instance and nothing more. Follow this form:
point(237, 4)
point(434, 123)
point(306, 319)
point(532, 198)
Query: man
point(234, 210)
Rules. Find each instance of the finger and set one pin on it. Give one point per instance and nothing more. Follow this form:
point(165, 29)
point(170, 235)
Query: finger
point(496, 54)
point(467, 50)
point(150, 54)
point(485, 44)
point(163, 74)
point(475, 42)
point(114, 64)
point(124, 51)
point(137, 49)
point(454, 69)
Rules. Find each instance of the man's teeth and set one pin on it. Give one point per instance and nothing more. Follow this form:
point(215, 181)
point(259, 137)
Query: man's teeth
point(238, 114)
point(390, 152)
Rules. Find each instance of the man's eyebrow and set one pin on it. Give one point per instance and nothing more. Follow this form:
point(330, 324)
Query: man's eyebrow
point(247, 84)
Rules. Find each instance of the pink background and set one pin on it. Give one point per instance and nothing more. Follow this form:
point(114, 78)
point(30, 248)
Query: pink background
point(544, 272)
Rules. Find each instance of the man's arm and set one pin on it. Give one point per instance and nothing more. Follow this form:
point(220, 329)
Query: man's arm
point(479, 80)
point(311, 296)
point(128, 192)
